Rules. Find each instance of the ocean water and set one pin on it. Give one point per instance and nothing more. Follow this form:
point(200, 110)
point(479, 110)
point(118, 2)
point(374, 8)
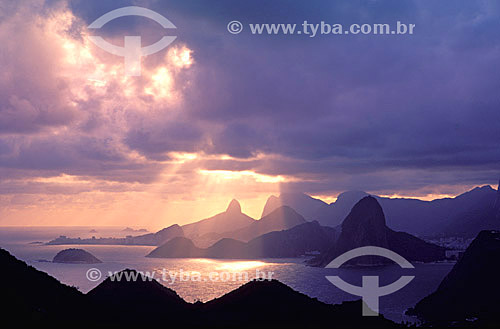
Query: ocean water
point(205, 279)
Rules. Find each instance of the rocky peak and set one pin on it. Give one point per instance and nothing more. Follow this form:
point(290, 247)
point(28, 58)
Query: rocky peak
point(364, 226)
point(367, 213)
point(272, 204)
point(234, 207)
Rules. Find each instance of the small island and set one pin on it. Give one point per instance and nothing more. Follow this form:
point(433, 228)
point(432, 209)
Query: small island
point(75, 256)
point(131, 230)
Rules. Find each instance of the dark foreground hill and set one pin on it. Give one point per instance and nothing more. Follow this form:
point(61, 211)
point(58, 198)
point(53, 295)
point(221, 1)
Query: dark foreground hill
point(130, 298)
point(35, 298)
point(470, 293)
point(272, 304)
point(32, 296)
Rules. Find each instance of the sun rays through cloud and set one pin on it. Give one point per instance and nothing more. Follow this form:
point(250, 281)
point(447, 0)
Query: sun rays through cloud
point(215, 116)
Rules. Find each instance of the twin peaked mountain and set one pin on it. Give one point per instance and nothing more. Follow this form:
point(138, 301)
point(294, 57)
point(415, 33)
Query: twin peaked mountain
point(295, 224)
point(284, 233)
point(234, 224)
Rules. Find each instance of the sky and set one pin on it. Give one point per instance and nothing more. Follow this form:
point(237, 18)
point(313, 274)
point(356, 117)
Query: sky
point(216, 116)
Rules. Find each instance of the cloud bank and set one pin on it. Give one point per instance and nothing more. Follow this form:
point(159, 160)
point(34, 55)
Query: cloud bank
point(217, 115)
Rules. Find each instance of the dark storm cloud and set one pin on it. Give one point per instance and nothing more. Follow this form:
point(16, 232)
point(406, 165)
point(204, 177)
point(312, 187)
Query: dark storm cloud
point(426, 101)
point(340, 112)
point(81, 156)
point(173, 136)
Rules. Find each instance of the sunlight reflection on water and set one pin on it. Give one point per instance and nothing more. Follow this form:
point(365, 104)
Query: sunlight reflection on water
point(231, 266)
point(292, 272)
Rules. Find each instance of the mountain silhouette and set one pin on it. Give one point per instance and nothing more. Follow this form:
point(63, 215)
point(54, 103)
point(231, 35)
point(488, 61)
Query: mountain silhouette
point(272, 304)
point(272, 204)
point(206, 231)
point(478, 216)
point(297, 241)
point(159, 237)
point(256, 304)
point(281, 218)
point(234, 207)
point(179, 247)
point(464, 215)
point(128, 298)
point(75, 256)
point(32, 297)
point(294, 242)
point(229, 248)
point(497, 201)
point(366, 226)
point(309, 207)
point(469, 294)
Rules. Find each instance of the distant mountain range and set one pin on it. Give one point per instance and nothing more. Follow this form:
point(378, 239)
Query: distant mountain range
point(281, 218)
point(466, 214)
point(230, 220)
point(232, 224)
point(470, 294)
point(297, 241)
point(366, 226)
point(35, 298)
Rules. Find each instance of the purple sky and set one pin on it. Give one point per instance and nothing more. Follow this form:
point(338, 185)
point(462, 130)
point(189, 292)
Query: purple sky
point(217, 116)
